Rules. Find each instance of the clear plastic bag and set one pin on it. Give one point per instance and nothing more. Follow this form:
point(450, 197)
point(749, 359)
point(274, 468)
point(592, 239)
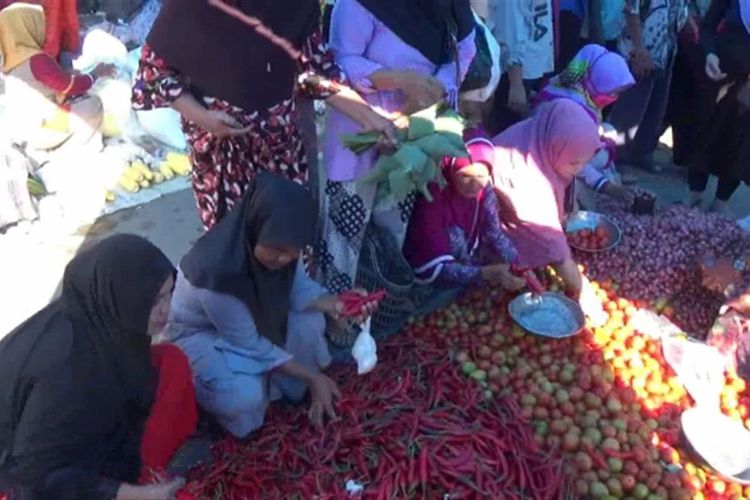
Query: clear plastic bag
point(699, 367)
point(365, 350)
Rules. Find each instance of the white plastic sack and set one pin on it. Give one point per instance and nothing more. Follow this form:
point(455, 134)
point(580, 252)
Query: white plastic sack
point(164, 126)
point(100, 47)
point(483, 94)
point(699, 367)
point(364, 350)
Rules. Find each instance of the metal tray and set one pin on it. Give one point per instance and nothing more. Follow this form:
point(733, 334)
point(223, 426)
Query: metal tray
point(550, 314)
point(591, 220)
point(722, 443)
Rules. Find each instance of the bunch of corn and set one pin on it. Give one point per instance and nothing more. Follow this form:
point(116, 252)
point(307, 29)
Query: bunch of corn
point(177, 164)
point(139, 175)
point(431, 136)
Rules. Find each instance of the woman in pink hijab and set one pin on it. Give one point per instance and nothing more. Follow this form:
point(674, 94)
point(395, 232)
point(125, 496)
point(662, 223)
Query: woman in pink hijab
point(535, 161)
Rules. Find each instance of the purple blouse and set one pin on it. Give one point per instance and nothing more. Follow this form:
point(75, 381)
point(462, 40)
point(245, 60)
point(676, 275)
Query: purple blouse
point(362, 45)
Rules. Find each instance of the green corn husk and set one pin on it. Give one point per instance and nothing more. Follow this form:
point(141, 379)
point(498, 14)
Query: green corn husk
point(438, 145)
point(384, 166)
point(431, 136)
point(359, 143)
point(410, 156)
point(35, 187)
point(400, 184)
point(422, 124)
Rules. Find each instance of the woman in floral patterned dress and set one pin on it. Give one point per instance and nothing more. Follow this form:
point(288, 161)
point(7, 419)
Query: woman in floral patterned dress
point(232, 73)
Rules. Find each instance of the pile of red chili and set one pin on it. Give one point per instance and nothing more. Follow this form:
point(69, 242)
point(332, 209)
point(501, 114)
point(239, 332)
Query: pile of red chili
point(414, 427)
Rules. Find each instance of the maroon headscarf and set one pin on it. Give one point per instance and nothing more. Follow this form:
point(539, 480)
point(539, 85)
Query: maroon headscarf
point(427, 243)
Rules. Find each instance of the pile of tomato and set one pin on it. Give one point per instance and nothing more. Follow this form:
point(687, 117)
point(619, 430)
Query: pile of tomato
point(591, 239)
point(606, 399)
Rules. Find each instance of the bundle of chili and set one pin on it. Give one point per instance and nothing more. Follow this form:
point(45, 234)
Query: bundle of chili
point(414, 427)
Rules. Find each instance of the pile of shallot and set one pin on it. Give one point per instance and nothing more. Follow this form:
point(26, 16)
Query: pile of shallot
point(658, 259)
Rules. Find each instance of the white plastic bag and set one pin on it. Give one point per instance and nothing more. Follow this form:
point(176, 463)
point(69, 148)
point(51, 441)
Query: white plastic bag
point(364, 350)
point(699, 367)
point(101, 47)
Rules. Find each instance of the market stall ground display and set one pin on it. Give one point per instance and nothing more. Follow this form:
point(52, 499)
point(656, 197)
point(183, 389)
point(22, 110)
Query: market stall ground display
point(464, 404)
point(656, 261)
point(414, 427)
point(606, 401)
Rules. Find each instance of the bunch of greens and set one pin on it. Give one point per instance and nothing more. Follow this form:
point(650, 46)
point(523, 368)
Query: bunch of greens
point(432, 135)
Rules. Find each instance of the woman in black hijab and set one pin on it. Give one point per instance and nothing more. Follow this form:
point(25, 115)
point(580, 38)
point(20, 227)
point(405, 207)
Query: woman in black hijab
point(231, 68)
point(78, 382)
point(246, 314)
point(723, 104)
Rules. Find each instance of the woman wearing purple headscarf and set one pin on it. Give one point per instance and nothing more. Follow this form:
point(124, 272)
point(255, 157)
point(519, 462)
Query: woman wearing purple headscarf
point(594, 79)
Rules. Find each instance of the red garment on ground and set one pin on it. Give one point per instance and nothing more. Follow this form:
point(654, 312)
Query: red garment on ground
point(62, 27)
point(46, 70)
point(174, 415)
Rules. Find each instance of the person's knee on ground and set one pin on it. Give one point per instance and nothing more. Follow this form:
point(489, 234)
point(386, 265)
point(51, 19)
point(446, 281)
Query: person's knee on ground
point(239, 409)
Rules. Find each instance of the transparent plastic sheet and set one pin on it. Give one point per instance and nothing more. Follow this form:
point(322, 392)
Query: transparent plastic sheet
point(699, 367)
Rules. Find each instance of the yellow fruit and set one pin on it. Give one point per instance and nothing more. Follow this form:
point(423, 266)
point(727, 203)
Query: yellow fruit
point(166, 170)
point(141, 167)
point(158, 178)
point(129, 184)
point(144, 183)
point(109, 196)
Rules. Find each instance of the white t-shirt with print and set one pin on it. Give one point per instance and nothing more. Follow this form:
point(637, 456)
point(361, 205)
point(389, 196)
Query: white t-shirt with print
point(525, 33)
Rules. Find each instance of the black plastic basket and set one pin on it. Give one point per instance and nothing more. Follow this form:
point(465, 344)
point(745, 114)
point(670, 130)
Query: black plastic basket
point(382, 267)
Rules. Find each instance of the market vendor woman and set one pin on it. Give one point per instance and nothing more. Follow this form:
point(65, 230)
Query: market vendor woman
point(87, 403)
point(535, 162)
point(246, 314)
point(456, 239)
point(234, 87)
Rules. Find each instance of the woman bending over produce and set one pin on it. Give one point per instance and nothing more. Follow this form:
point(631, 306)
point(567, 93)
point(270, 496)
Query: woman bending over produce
point(457, 240)
point(595, 78)
point(47, 106)
point(246, 314)
point(87, 403)
point(402, 57)
point(232, 72)
point(535, 162)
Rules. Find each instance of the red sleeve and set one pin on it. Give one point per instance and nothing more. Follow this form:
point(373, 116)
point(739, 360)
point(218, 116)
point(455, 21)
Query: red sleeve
point(46, 70)
point(61, 33)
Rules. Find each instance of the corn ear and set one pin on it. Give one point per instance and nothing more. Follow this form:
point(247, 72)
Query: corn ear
point(141, 167)
point(179, 163)
point(166, 170)
point(133, 174)
point(129, 184)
